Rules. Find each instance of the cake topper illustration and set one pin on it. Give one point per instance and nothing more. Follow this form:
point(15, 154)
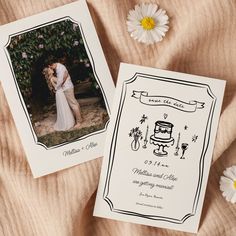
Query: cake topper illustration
point(162, 137)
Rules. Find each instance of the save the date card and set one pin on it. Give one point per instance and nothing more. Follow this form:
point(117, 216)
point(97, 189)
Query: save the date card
point(159, 148)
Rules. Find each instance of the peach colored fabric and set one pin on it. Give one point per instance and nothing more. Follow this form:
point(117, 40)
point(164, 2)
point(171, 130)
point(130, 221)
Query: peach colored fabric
point(201, 41)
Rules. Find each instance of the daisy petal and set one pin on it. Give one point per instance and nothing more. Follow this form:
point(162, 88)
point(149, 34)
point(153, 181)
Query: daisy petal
point(160, 13)
point(160, 32)
point(228, 195)
point(163, 28)
point(152, 8)
point(224, 180)
point(228, 173)
point(144, 8)
point(225, 187)
point(143, 38)
point(233, 169)
point(136, 34)
point(156, 35)
point(233, 199)
point(138, 12)
point(150, 38)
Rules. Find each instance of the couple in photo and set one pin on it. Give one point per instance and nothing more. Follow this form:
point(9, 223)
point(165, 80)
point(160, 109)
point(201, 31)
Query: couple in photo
point(68, 109)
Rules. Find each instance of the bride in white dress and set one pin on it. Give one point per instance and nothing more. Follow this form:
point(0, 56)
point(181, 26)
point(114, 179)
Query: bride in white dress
point(65, 119)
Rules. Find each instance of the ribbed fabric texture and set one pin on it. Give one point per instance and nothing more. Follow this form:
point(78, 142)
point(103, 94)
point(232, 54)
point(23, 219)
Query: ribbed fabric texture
point(201, 41)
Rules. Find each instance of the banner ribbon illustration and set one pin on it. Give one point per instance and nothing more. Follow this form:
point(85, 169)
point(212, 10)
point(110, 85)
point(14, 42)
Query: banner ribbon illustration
point(190, 106)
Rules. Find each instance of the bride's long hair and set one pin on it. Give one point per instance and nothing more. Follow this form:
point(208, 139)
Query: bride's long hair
point(48, 74)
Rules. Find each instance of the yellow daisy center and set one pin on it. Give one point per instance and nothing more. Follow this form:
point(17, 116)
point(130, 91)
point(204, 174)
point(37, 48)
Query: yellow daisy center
point(235, 184)
point(148, 23)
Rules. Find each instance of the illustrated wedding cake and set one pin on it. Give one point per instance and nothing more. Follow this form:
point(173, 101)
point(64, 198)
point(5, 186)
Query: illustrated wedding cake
point(163, 130)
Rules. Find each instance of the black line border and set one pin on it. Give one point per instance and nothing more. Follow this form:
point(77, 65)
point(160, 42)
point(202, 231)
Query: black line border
point(90, 56)
point(201, 161)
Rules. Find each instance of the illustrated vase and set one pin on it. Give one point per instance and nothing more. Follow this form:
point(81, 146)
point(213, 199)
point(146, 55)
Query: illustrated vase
point(135, 145)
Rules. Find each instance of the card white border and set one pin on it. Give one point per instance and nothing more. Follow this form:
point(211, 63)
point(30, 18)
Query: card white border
point(51, 159)
point(102, 208)
point(203, 154)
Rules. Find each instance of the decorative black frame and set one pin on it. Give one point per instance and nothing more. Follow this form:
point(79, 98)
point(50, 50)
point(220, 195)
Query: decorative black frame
point(202, 158)
point(90, 56)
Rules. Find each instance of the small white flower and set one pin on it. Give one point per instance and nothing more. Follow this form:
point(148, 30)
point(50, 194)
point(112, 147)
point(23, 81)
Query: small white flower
point(24, 55)
point(76, 43)
point(37, 124)
point(41, 46)
point(147, 24)
point(75, 27)
point(228, 184)
point(40, 36)
point(62, 33)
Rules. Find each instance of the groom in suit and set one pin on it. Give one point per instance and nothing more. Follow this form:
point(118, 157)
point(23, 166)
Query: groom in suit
point(64, 81)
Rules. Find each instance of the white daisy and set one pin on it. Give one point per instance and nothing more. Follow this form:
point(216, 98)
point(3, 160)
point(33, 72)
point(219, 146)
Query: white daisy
point(147, 24)
point(228, 184)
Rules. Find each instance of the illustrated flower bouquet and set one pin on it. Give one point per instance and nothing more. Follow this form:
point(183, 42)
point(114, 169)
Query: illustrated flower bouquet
point(136, 134)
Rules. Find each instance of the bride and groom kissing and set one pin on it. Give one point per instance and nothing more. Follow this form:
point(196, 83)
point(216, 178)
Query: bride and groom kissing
point(67, 107)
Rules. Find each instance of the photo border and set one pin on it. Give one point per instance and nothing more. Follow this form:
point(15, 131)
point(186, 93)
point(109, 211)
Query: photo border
point(90, 56)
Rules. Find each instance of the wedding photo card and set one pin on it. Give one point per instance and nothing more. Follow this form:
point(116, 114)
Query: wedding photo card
point(159, 148)
point(58, 86)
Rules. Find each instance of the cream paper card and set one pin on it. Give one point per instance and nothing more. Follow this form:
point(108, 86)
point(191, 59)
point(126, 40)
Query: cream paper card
point(67, 35)
point(159, 148)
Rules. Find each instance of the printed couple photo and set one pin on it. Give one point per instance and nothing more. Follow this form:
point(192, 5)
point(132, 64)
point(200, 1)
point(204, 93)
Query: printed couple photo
point(55, 78)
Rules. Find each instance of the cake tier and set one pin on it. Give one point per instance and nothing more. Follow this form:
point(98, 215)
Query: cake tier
point(163, 130)
point(162, 135)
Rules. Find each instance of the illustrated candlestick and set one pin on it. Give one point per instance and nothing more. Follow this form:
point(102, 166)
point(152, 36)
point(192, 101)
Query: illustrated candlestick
point(146, 139)
point(177, 146)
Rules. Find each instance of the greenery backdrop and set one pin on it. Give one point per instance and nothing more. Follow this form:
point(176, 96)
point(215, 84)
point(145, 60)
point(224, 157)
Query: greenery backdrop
point(29, 51)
